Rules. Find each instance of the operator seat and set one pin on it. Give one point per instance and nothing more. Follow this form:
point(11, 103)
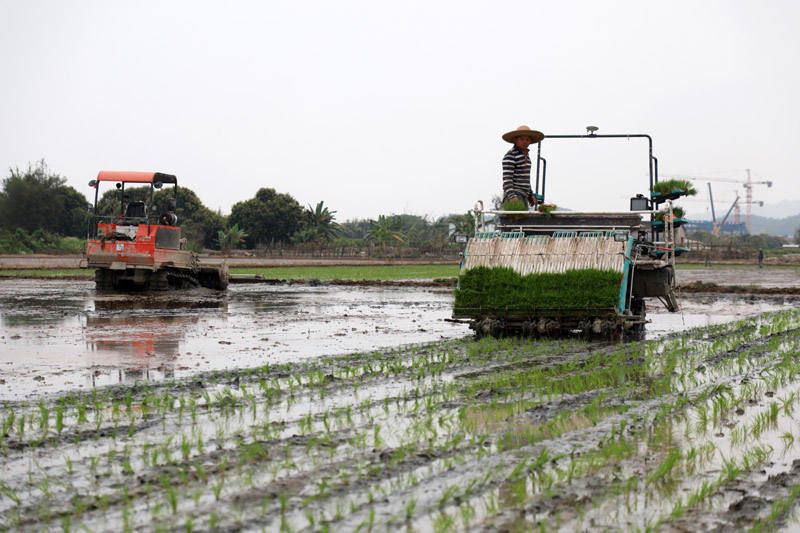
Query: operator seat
point(135, 210)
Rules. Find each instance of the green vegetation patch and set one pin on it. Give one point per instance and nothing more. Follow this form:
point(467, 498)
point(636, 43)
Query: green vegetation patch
point(371, 272)
point(38, 242)
point(503, 288)
point(47, 273)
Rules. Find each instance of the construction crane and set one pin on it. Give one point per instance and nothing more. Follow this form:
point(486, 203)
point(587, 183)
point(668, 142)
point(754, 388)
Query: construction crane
point(746, 183)
point(737, 202)
point(718, 226)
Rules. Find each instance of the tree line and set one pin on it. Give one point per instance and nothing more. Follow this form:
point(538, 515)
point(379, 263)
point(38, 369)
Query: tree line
point(39, 212)
point(745, 240)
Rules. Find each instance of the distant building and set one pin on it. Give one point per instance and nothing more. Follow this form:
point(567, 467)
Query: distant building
point(728, 228)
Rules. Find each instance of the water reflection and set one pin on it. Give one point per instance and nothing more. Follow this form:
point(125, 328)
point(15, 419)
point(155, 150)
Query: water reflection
point(158, 303)
point(24, 303)
point(136, 337)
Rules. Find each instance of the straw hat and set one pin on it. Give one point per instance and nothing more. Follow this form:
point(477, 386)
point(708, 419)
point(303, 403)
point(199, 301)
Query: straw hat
point(523, 130)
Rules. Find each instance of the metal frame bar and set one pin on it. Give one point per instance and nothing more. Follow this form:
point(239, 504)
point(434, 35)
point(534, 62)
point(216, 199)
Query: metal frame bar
point(652, 160)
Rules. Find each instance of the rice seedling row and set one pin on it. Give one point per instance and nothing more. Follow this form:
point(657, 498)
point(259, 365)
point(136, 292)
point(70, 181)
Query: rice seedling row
point(507, 433)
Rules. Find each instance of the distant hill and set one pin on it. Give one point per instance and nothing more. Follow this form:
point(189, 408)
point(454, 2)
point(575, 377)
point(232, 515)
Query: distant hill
point(781, 219)
point(775, 226)
point(780, 227)
point(783, 209)
point(777, 223)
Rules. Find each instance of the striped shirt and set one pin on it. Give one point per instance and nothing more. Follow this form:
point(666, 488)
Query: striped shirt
point(517, 174)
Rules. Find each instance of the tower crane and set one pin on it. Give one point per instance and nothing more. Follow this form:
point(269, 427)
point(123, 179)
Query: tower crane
point(746, 183)
point(735, 204)
point(718, 226)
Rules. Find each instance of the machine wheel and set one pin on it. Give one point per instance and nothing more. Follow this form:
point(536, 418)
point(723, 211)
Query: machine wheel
point(487, 327)
point(214, 276)
point(104, 280)
point(639, 309)
point(181, 280)
point(157, 281)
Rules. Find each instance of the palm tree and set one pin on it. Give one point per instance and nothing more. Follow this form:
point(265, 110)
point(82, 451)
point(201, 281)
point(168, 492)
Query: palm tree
point(384, 230)
point(304, 235)
point(322, 222)
point(463, 223)
point(230, 239)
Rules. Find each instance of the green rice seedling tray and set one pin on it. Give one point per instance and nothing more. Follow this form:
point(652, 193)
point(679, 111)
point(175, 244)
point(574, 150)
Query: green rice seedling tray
point(659, 224)
point(565, 274)
point(501, 291)
point(660, 198)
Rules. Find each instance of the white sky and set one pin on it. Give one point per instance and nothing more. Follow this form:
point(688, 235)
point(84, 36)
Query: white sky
point(398, 107)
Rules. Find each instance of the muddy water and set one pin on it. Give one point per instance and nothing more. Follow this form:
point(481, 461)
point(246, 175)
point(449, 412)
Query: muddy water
point(761, 277)
point(699, 310)
point(58, 335)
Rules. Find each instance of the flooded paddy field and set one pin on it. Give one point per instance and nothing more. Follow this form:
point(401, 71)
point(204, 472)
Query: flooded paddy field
point(300, 408)
point(58, 335)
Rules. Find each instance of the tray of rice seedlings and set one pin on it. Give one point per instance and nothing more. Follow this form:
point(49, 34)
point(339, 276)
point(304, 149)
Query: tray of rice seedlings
point(677, 218)
point(501, 290)
point(545, 285)
point(515, 205)
point(672, 189)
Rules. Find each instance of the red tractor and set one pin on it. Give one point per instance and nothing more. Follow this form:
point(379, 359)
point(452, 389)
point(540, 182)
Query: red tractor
point(139, 248)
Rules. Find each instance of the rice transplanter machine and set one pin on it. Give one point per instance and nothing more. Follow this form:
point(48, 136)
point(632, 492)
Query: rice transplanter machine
point(550, 272)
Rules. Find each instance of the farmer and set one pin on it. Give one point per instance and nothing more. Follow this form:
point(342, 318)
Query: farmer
point(760, 258)
point(517, 165)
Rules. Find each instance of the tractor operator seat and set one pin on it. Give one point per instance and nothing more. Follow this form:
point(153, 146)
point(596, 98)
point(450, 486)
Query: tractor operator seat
point(135, 211)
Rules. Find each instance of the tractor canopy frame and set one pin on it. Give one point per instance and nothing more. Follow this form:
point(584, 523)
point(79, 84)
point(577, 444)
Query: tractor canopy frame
point(156, 180)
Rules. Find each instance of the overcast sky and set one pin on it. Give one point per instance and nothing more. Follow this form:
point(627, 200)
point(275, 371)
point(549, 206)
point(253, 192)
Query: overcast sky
point(398, 107)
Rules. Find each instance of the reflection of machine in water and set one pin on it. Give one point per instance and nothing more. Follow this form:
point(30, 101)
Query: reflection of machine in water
point(137, 348)
point(138, 337)
point(175, 303)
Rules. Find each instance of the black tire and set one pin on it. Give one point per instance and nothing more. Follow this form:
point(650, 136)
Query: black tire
point(639, 309)
point(104, 280)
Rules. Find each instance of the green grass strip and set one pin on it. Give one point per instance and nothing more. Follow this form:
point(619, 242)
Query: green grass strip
point(47, 273)
point(501, 288)
point(355, 272)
